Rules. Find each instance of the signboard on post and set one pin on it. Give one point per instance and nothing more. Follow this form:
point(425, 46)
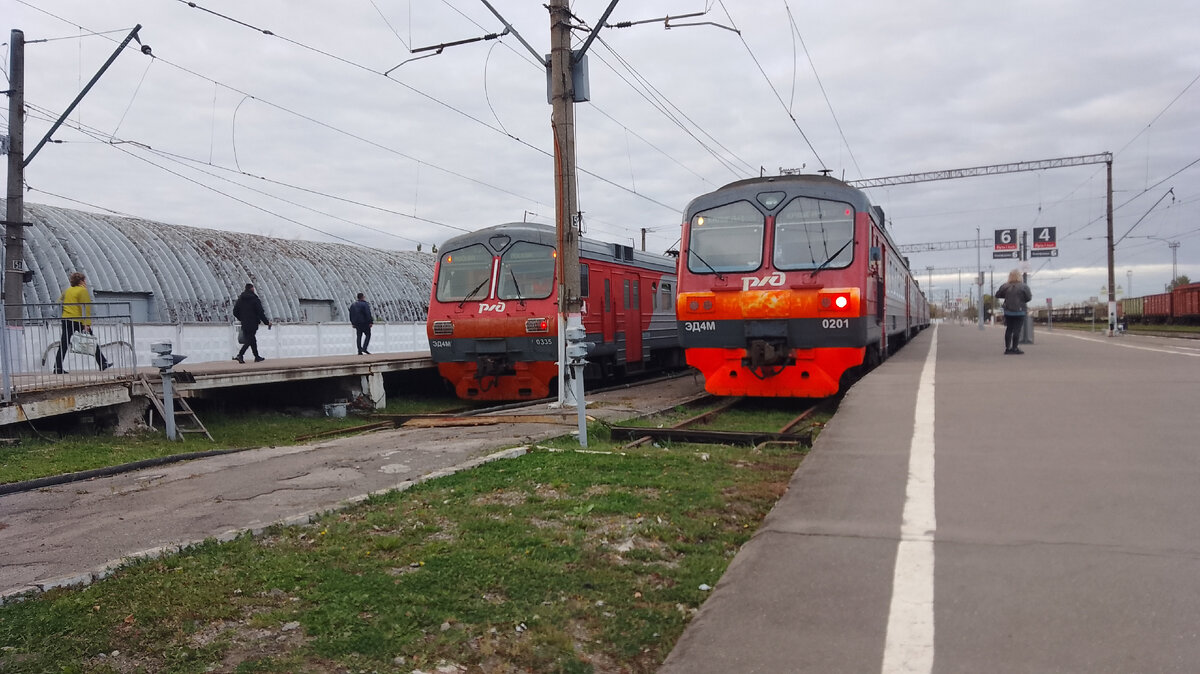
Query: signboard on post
point(1006, 245)
point(1045, 242)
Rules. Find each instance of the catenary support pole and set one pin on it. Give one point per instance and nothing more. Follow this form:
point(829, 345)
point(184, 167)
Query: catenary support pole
point(14, 236)
point(1112, 279)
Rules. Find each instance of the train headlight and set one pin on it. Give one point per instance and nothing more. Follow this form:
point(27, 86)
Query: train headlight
point(537, 325)
point(443, 328)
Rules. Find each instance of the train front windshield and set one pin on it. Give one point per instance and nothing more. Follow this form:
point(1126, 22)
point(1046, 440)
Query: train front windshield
point(814, 234)
point(464, 274)
point(727, 238)
point(526, 272)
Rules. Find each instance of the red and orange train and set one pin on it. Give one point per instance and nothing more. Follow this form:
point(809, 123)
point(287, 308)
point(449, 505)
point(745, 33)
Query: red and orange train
point(784, 287)
point(790, 285)
point(493, 327)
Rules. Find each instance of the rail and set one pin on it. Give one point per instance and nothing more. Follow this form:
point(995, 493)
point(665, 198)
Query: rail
point(36, 354)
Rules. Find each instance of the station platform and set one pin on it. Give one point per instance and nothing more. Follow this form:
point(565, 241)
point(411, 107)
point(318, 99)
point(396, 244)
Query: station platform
point(46, 395)
point(970, 511)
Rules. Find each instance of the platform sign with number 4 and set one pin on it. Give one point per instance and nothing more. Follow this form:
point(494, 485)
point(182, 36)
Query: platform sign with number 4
point(1045, 237)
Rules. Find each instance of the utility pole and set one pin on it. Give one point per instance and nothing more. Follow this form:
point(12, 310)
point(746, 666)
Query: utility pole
point(14, 237)
point(14, 217)
point(1112, 279)
point(566, 216)
point(1027, 331)
point(979, 281)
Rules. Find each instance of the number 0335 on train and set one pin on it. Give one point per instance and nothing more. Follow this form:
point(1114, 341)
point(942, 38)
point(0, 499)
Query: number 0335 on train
point(790, 286)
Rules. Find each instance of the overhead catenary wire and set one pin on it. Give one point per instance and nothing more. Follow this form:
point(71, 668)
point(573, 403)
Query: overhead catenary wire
point(770, 84)
point(309, 118)
point(821, 86)
point(429, 97)
point(110, 140)
point(657, 99)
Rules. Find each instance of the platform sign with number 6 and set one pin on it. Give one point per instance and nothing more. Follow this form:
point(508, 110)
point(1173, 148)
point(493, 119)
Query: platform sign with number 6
point(1006, 244)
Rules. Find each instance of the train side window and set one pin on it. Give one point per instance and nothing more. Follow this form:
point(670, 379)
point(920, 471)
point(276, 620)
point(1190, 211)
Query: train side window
point(637, 295)
point(583, 281)
point(664, 290)
point(626, 288)
point(607, 296)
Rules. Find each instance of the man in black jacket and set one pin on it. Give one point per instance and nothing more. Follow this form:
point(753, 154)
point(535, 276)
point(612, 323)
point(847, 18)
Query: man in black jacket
point(249, 310)
point(361, 319)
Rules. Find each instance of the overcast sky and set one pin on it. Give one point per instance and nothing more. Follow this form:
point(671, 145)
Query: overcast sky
point(299, 134)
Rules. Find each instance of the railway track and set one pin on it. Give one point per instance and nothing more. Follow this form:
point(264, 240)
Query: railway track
point(689, 430)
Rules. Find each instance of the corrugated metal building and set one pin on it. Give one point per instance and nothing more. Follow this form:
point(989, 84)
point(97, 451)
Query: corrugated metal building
point(176, 274)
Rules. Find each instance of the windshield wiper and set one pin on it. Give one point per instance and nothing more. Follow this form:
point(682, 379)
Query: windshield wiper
point(720, 276)
point(831, 257)
point(472, 293)
point(516, 286)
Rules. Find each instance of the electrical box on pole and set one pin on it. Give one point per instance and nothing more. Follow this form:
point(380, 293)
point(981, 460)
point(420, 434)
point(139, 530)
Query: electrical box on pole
point(580, 89)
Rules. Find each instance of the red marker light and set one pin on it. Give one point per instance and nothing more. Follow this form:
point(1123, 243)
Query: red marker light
point(836, 301)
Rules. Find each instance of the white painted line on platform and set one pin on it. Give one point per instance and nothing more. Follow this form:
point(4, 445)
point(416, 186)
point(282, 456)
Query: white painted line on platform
point(909, 644)
point(1116, 341)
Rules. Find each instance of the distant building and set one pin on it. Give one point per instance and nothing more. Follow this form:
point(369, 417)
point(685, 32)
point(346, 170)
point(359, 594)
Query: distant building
point(177, 274)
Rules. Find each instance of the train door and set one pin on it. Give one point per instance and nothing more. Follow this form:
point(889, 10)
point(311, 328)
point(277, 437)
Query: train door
point(631, 317)
point(609, 323)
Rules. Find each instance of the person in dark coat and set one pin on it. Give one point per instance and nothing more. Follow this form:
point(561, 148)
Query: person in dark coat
point(362, 320)
point(1016, 296)
point(249, 310)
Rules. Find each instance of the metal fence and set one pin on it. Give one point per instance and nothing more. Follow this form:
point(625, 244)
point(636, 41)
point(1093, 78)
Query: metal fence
point(32, 349)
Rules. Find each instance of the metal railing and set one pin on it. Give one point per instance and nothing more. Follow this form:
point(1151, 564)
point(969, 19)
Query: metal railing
point(33, 356)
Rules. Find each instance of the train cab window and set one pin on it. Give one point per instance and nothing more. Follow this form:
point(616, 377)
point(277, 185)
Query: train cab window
point(526, 272)
point(464, 273)
point(814, 234)
point(727, 238)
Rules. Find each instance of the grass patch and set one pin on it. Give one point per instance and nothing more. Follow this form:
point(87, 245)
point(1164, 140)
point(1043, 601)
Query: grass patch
point(37, 456)
point(552, 562)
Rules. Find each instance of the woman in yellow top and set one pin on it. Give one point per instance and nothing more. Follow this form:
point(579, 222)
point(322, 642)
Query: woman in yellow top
point(76, 315)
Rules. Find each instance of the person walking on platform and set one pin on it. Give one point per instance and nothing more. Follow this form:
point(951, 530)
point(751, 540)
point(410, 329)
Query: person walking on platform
point(362, 320)
point(76, 317)
point(249, 310)
point(1016, 296)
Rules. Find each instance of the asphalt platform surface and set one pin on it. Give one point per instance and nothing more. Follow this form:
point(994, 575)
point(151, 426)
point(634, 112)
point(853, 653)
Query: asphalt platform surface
point(971, 511)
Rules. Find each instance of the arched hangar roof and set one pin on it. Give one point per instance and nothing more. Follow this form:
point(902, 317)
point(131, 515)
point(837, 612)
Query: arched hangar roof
point(178, 274)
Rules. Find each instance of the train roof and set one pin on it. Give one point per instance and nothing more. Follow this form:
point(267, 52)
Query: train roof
point(589, 249)
point(821, 186)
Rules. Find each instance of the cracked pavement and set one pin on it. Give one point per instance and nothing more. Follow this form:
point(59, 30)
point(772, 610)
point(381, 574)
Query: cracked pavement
point(74, 533)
